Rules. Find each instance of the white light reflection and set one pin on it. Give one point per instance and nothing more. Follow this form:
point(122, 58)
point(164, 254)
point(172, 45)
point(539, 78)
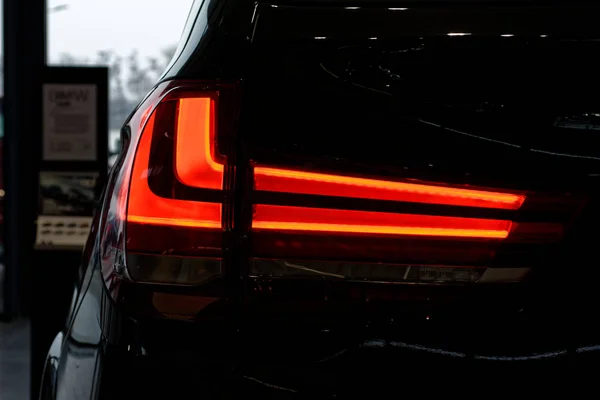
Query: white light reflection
point(397, 9)
point(507, 35)
point(538, 356)
point(269, 385)
point(352, 8)
point(564, 154)
point(588, 348)
point(543, 35)
point(374, 343)
point(469, 134)
point(523, 358)
point(427, 349)
point(320, 37)
point(372, 38)
point(459, 34)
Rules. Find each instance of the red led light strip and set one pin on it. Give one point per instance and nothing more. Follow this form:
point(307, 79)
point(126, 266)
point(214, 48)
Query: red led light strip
point(286, 218)
point(279, 180)
point(145, 207)
point(195, 166)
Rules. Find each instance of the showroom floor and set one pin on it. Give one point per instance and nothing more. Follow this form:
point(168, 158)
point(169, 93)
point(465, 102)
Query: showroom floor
point(14, 360)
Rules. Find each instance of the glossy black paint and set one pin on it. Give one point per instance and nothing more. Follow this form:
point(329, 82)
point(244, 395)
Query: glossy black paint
point(289, 338)
point(484, 105)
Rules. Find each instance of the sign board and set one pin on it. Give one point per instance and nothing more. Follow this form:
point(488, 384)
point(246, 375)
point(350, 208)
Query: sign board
point(74, 156)
point(70, 122)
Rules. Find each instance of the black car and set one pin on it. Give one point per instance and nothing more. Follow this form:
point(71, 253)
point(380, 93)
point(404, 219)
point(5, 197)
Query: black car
point(338, 198)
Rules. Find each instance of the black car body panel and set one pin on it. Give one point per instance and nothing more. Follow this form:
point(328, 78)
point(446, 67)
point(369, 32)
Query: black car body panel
point(481, 93)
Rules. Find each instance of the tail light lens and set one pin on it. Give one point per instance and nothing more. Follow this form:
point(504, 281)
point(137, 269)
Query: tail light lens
point(165, 222)
point(419, 223)
point(168, 218)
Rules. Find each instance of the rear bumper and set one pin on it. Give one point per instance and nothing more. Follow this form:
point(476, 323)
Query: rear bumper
point(311, 339)
point(349, 355)
point(371, 369)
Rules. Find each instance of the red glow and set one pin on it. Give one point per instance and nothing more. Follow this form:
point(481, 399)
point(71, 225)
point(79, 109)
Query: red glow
point(145, 207)
point(280, 180)
point(194, 144)
point(286, 218)
point(195, 165)
point(155, 211)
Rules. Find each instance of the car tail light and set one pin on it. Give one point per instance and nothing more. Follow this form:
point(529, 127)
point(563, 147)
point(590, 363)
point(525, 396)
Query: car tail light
point(310, 223)
point(411, 224)
point(169, 219)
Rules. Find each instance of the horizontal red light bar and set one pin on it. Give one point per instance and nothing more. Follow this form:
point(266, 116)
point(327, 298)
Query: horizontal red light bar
point(281, 180)
point(287, 218)
point(210, 222)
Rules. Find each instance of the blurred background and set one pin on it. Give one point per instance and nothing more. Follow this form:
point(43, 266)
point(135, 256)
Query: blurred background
point(135, 39)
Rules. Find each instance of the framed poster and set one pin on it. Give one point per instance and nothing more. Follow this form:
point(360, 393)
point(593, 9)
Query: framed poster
point(70, 122)
point(66, 207)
